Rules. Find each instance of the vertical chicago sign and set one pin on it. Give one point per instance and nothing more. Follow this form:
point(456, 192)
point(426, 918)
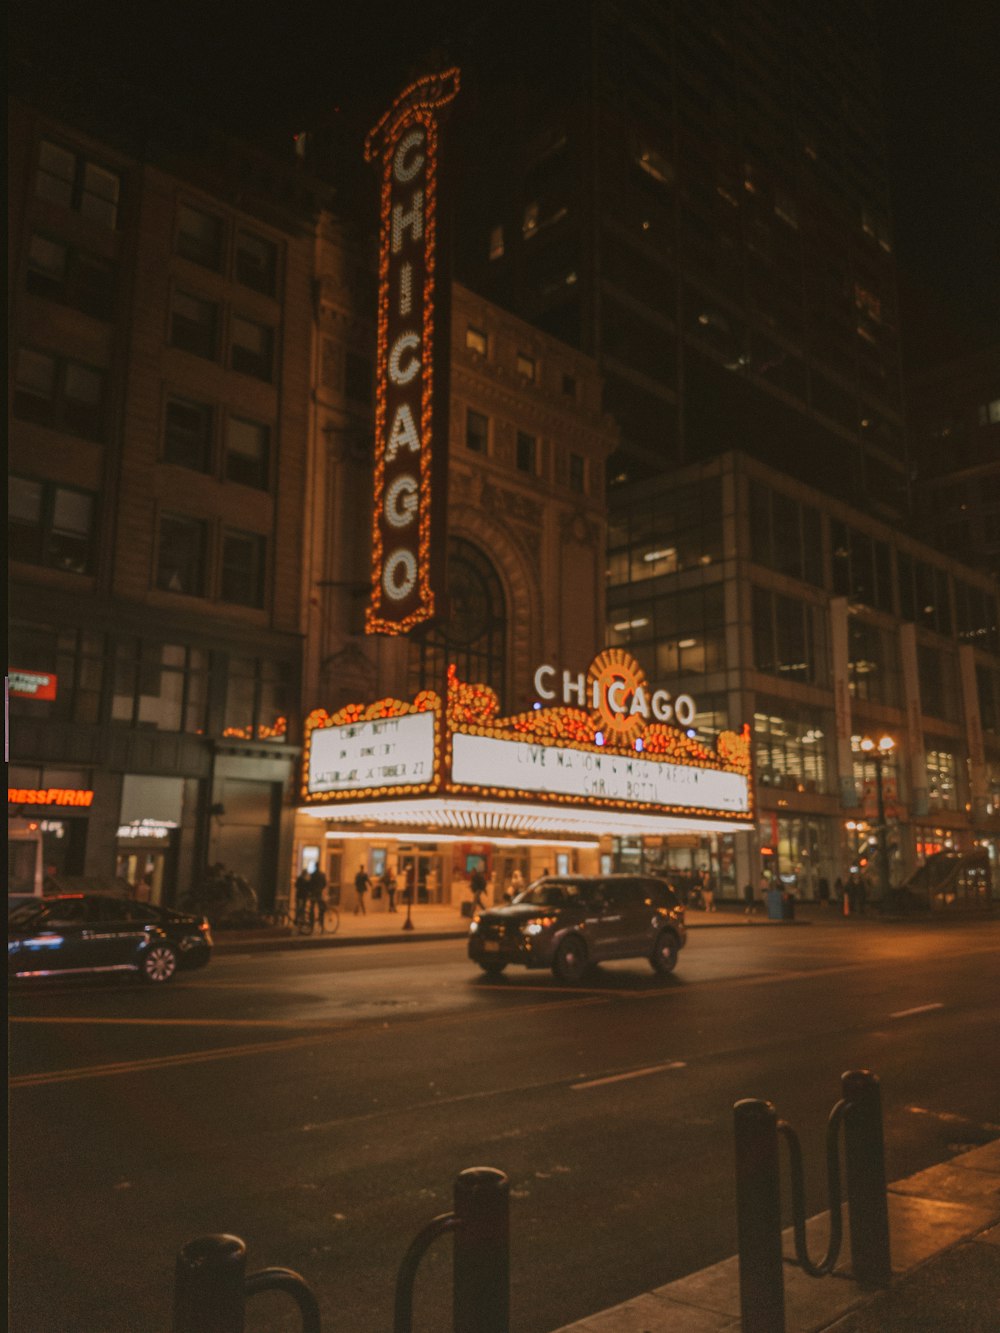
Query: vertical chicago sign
point(411, 405)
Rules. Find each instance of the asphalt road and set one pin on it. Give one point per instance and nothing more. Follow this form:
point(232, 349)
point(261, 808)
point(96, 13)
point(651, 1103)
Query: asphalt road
point(319, 1105)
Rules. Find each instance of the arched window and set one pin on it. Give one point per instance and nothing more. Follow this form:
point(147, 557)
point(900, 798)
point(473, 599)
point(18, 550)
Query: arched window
point(474, 634)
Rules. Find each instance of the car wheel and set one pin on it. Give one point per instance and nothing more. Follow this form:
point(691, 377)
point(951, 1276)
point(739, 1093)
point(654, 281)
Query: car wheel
point(664, 955)
point(570, 961)
point(159, 963)
point(492, 968)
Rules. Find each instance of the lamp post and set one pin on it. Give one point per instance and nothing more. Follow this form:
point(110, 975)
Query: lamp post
point(877, 752)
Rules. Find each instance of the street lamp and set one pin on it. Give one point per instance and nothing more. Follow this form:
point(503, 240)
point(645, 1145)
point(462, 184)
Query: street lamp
point(877, 751)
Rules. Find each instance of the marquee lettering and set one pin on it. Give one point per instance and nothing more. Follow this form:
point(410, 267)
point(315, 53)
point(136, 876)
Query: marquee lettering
point(411, 363)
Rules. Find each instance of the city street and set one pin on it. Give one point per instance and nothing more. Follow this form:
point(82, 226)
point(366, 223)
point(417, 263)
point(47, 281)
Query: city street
point(319, 1104)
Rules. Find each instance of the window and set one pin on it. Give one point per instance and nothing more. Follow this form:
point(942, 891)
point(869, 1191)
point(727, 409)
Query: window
point(577, 473)
point(159, 686)
point(474, 635)
point(77, 659)
point(787, 638)
point(675, 529)
point(475, 340)
point(50, 525)
point(989, 413)
point(242, 568)
point(527, 453)
point(358, 377)
point(54, 391)
point(477, 429)
point(790, 746)
point(194, 324)
point(256, 262)
point(496, 242)
point(942, 780)
point(180, 557)
point(936, 673)
point(681, 633)
point(252, 349)
point(70, 276)
point(199, 237)
point(527, 367)
point(257, 700)
point(247, 452)
point(873, 663)
point(187, 434)
point(70, 180)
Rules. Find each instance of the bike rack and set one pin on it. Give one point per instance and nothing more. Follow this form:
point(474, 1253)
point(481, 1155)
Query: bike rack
point(211, 1287)
point(480, 1223)
point(758, 1198)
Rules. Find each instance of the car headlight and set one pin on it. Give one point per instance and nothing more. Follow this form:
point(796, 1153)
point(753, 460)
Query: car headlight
point(474, 925)
point(538, 925)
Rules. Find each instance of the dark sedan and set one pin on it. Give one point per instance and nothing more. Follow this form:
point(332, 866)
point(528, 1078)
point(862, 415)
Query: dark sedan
point(76, 934)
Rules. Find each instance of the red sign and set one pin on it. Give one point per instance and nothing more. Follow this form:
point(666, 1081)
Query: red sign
point(411, 403)
point(30, 684)
point(49, 796)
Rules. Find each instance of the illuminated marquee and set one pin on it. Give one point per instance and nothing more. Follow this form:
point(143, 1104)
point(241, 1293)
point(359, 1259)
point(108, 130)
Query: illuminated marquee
point(388, 748)
point(49, 796)
point(607, 750)
point(411, 438)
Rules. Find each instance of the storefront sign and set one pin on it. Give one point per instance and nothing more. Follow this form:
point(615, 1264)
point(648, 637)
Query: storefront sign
point(147, 828)
point(412, 355)
point(31, 684)
point(479, 761)
point(49, 796)
point(375, 754)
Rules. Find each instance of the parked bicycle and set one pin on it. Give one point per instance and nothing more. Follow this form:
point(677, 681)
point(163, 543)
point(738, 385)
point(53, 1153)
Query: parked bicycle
point(326, 920)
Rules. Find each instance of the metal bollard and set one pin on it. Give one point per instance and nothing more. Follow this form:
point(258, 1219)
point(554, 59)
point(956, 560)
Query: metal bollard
point(758, 1217)
point(481, 1283)
point(209, 1286)
point(866, 1192)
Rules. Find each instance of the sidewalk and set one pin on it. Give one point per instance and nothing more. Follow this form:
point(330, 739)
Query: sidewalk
point(435, 922)
point(945, 1247)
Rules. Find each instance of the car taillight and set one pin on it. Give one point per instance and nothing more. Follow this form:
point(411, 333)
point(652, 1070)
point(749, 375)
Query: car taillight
point(204, 927)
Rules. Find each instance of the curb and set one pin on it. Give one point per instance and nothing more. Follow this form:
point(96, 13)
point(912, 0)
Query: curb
point(930, 1213)
point(235, 942)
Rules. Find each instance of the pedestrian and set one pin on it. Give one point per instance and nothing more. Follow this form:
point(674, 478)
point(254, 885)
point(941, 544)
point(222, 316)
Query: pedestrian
point(515, 886)
point(838, 892)
point(852, 891)
point(477, 887)
point(317, 897)
point(824, 891)
point(389, 884)
point(708, 890)
point(749, 899)
point(302, 890)
point(361, 886)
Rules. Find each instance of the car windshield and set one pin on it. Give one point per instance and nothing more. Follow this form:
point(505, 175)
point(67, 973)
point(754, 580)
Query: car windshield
point(19, 914)
point(549, 893)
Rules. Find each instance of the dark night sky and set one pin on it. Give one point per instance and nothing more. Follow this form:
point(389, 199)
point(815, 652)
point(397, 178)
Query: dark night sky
point(278, 66)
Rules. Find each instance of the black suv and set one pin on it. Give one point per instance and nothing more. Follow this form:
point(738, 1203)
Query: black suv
point(568, 922)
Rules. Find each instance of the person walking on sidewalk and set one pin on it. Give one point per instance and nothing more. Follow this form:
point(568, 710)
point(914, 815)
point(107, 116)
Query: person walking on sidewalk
point(317, 897)
point(389, 884)
point(361, 886)
point(477, 887)
point(708, 890)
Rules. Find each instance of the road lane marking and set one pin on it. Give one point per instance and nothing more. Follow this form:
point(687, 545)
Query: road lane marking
point(255, 1048)
point(632, 1073)
point(918, 1009)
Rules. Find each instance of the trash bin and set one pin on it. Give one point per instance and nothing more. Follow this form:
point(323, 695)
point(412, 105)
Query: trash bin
point(775, 905)
point(788, 907)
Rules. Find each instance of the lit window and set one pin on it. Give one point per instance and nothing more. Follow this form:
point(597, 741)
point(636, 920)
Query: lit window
point(256, 262)
point(526, 366)
point(193, 324)
point(475, 340)
point(252, 350)
point(199, 237)
point(247, 452)
point(68, 179)
point(496, 242)
point(989, 413)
